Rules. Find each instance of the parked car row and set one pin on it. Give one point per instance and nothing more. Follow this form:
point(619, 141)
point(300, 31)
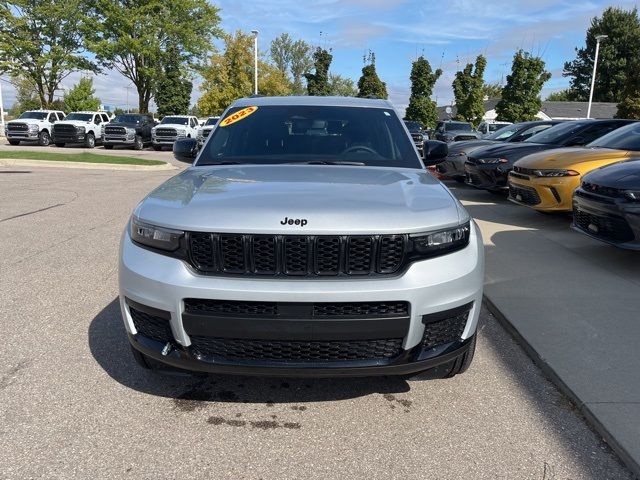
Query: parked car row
point(89, 129)
point(590, 168)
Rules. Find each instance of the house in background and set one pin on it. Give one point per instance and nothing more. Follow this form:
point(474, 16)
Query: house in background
point(549, 110)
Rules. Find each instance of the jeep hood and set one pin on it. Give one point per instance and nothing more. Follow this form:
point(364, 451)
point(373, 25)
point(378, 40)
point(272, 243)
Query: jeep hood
point(332, 199)
point(566, 157)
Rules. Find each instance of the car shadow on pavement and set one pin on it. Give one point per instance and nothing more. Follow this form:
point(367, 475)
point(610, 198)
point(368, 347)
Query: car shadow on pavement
point(110, 348)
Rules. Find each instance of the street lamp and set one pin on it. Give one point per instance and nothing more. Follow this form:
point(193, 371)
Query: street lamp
point(593, 76)
point(255, 61)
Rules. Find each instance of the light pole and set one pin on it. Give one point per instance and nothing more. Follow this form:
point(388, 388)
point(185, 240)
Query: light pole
point(255, 61)
point(127, 88)
point(1, 110)
point(593, 76)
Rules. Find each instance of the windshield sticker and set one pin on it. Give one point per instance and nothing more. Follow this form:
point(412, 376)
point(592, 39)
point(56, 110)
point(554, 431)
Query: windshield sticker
point(237, 116)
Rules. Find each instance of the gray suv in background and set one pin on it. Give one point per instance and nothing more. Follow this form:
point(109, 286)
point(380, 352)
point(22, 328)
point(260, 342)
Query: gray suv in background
point(451, 131)
point(307, 238)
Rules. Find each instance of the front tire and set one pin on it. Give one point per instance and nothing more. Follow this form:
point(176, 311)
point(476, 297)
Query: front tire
point(14, 142)
point(44, 139)
point(462, 363)
point(90, 141)
point(138, 144)
point(157, 148)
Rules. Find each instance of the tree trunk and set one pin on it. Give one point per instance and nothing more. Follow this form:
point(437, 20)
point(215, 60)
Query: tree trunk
point(144, 97)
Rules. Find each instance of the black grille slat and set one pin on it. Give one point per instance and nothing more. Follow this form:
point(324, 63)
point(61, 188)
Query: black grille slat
point(112, 130)
point(17, 127)
point(231, 307)
point(361, 309)
point(166, 132)
point(296, 351)
point(528, 196)
point(151, 326)
point(296, 255)
point(607, 227)
point(444, 331)
point(63, 128)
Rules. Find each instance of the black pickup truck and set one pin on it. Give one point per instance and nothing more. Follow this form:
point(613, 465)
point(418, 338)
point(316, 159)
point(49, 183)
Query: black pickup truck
point(129, 129)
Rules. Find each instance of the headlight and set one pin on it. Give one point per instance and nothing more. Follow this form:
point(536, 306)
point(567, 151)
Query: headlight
point(555, 173)
point(633, 195)
point(180, 133)
point(131, 131)
point(440, 242)
point(81, 129)
point(155, 237)
point(493, 160)
point(33, 127)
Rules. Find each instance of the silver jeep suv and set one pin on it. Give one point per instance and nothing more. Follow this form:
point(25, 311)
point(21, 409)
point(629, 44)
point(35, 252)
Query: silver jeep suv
point(306, 239)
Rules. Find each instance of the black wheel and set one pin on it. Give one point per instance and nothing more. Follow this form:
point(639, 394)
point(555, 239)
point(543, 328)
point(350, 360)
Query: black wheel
point(141, 359)
point(157, 148)
point(459, 179)
point(138, 144)
point(14, 142)
point(462, 363)
point(90, 141)
point(58, 144)
point(108, 147)
point(44, 139)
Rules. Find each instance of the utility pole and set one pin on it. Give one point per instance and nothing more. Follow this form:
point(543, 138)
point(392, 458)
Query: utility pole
point(593, 76)
point(255, 61)
point(127, 88)
point(2, 111)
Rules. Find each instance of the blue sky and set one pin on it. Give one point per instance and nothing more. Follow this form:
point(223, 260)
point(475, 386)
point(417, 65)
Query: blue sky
point(449, 33)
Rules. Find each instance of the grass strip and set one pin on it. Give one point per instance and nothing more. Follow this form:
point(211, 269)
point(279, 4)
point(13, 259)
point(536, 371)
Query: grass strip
point(79, 157)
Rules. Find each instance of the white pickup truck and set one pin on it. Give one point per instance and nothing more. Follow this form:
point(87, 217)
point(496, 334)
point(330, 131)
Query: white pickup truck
point(80, 127)
point(172, 128)
point(33, 126)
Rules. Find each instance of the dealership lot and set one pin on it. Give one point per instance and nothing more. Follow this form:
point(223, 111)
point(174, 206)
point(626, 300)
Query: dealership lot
point(74, 404)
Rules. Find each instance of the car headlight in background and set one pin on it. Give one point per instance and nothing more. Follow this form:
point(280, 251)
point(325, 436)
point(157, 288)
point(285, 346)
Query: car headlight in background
point(440, 242)
point(555, 173)
point(181, 133)
point(492, 160)
point(633, 195)
point(155, 237)
point(33, 127)
point(81, 129)
point(131, 131)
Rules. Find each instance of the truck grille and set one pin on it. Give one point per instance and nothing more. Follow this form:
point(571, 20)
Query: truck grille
point(610, 228)
point(166, 132)
point(112, 130)
point(306, 310)
point(528, 196)
point(17, 127)
point(296, 255)
point(206, 132)
point(296, 351)
point(62, 128)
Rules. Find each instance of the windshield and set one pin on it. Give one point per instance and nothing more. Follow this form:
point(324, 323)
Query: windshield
point(504, 133)
point(83, 117)
point(625, 138)
point(457, 126)
point(127, 119)
point(494, 127)
point(34, 115)
point(413, 126)
point(269, 135)
point(212, 121)
point(175, 120)
point(556, 134)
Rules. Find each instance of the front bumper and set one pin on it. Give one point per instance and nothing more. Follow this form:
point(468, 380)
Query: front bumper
point(164, 140)
point(610, 220)
point(487, 176)
point(433, 286)
point(69, 137)
point(33, 136)
point(119, 139)
point(453, 166)
point(552, 194)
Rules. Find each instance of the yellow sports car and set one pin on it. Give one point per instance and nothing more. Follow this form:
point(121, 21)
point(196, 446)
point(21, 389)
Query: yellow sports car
point(546, 180)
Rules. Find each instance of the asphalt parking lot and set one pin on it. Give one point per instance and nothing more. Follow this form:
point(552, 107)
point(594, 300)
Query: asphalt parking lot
point(73, 404)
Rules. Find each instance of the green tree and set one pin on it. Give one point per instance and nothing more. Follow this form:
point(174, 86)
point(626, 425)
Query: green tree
point(132, 37)
point(44, 42)
point(340, 86)
point(614, 58)
point(81, 97)
point(173, 91)
point(492, 91)
point(318, 82)
point(565, 95)
point(293, 59)
point(370, 84)
point(26, 96)
point(521, 94)
point(421, 108)
point(229, 75)
point(469, 92)
point(629, 107)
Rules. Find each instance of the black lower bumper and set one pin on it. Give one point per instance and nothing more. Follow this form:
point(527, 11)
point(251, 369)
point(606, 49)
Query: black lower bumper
point(487, 176)
point(613, 221)
point(409, 362)
point(69, 138)
point(452, 167)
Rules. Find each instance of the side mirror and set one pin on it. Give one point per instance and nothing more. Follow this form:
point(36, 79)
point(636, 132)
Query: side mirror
point(435, 152)
point(185, 150)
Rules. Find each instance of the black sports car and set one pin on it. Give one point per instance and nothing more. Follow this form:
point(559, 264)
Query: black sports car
point(488, 167)
point(453, 166)
point(607, 204)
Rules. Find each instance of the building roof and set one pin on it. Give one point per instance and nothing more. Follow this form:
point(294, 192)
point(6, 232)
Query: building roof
point(313, 101)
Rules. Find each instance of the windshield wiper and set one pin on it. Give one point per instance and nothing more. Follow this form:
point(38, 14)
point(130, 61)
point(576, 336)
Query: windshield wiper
point(332, 162)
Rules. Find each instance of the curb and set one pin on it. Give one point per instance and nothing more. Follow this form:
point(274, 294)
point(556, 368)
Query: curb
point(593, 421)
point(11, 162)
